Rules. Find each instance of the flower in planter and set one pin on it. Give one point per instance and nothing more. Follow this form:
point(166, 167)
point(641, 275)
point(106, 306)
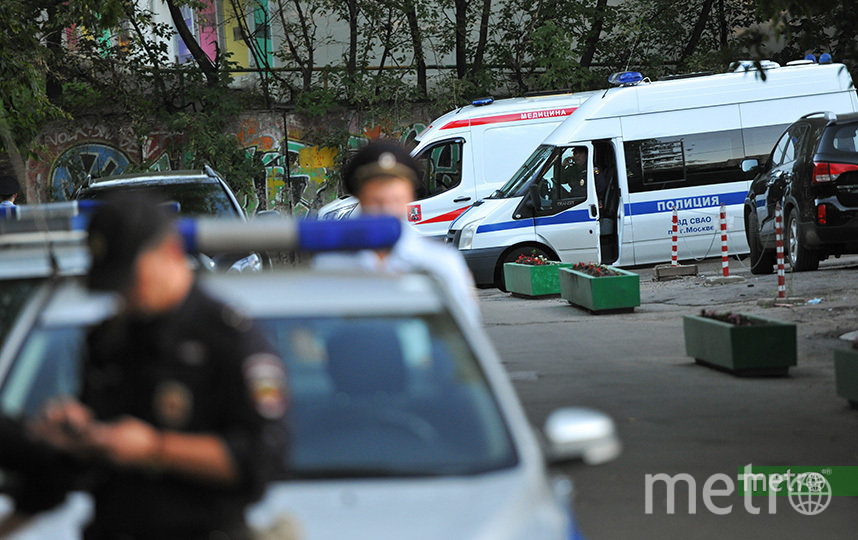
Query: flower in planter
point(730, 318)
point(595, 270)
point(534, 260)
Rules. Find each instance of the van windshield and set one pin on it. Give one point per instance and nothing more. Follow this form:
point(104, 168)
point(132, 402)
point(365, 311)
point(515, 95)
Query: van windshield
point(517, 185)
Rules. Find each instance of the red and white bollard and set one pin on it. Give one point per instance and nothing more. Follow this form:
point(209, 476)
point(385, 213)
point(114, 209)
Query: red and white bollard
point(674, 240)
point(725, 263)
point(779, 236)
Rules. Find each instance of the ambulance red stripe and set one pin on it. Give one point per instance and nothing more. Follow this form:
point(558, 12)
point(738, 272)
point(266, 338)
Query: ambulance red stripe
point(513, 117)
point(449, 216)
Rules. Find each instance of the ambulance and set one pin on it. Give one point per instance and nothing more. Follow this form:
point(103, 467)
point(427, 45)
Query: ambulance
point(687, 143)
point(470, 152)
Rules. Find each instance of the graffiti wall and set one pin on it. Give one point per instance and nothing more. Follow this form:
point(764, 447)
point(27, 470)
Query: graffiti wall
point(300, 173)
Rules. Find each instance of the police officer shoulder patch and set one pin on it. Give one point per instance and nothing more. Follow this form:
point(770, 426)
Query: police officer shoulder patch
point(266, 380)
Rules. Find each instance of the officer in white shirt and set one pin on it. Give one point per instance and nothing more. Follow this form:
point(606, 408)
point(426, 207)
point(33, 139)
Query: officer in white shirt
point(383, 177)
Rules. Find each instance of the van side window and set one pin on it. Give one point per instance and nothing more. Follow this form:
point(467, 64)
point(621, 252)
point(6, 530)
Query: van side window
point(442, 168)
point(758, 141)
point(684, 161)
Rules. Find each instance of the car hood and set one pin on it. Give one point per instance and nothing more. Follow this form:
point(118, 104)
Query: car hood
point(479, 211)
point(493, 506)
point(335, 205)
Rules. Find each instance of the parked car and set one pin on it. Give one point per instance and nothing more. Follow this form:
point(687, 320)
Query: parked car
point(812, 172)
point(404, 422)
point(198, 193)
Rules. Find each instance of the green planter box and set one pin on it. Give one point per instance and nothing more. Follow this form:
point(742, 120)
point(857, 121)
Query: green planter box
point(601, 294)
point(532, 280)
point(846, 374)
point(767, 348)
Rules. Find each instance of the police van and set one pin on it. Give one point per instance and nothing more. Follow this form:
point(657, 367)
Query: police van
point(468, 153)
point(650, 148)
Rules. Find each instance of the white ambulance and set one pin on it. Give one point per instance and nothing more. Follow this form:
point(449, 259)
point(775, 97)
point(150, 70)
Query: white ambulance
point(470, 152)
point(647, 147)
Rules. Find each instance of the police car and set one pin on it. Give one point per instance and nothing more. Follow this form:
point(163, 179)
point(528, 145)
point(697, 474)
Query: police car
point(404, 422)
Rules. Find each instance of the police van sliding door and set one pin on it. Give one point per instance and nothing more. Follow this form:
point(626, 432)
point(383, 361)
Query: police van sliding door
point(567, 213)
point(671, 163)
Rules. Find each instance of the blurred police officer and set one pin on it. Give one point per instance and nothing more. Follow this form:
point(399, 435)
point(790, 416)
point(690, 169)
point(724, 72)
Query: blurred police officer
point(383, 177)
point(181, 418)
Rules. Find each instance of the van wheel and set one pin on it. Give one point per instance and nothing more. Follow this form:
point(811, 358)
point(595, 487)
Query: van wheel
point(762, 260)
point(512, 256)
point(800, 259)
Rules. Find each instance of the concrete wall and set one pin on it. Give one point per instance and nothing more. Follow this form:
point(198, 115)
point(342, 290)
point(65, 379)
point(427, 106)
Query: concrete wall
point(299, 167)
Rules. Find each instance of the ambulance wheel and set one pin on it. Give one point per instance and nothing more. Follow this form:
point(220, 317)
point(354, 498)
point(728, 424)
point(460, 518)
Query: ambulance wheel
point(512, 256)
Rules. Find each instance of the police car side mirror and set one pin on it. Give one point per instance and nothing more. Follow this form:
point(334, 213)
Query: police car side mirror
point(750, 166)
point(585, 435)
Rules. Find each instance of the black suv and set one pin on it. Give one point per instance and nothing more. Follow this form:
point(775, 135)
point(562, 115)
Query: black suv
point(813, 173)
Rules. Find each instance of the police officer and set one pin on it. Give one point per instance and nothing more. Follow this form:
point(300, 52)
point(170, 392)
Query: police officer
point(383, 177)
point(574, 176)
point(8, 189)
point(181, 417)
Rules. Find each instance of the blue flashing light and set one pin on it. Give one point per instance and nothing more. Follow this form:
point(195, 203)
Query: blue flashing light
point(483, 101)
point(369, 232)
point(825, 58)
point(811, 57)
point(625, 77)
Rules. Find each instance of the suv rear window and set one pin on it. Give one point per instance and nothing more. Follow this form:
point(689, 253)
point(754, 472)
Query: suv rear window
point(845, 138)
point(195, 198)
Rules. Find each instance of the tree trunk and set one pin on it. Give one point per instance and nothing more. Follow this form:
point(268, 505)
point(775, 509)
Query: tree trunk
point(484, 37)
point(461, 38)
point(417, 45)
point(351, 66)
point(308, 43)
point(595, 32)
point(697, 32)
point(722, 20)
point(388, 34)
point(200, 57)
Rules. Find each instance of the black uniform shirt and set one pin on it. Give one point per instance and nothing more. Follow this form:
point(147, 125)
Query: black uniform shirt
point(200, 369)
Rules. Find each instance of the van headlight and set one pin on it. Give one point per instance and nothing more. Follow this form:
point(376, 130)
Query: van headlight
point(466, 239)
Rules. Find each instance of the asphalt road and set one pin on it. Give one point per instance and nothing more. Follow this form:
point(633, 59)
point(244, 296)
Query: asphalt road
point(675, 416)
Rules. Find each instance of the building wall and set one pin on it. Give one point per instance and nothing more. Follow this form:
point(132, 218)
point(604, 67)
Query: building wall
point(299, 173)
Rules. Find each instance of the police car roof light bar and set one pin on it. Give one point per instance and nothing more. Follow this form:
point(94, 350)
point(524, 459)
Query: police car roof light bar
point(225, 236)
point(825, 58)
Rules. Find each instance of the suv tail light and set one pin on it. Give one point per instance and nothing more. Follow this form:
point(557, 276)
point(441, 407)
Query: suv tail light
point(828, 172)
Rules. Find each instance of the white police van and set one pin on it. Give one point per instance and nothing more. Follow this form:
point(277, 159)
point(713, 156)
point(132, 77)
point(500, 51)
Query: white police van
point(468, 153)
point(651, 147)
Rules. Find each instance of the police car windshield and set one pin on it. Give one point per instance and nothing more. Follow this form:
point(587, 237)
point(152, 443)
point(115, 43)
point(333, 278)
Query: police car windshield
point(194, 198)
point(517, 185)
point(370, 397)
point(392, 396)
